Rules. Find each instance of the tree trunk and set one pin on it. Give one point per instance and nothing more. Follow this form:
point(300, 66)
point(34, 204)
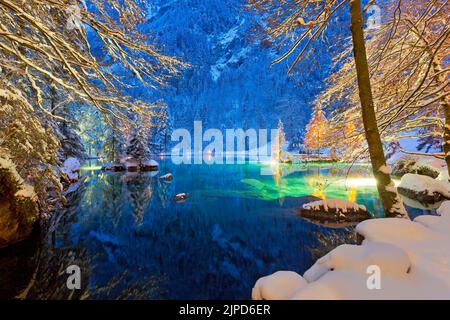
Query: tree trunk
point(392, 203)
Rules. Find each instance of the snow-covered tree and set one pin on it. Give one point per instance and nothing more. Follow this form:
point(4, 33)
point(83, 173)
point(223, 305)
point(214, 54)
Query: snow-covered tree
point(161, 131)
point(138, 144)
point(47, 41)
point(30, 143)
point(113, 145)
point(92, 131)
point(409, 72)
point(297, 141)
point(66, 125)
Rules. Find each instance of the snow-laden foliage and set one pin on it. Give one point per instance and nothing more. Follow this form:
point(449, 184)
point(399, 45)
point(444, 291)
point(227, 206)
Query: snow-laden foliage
point(409, 74)
point(30, 142)
point(53, 42)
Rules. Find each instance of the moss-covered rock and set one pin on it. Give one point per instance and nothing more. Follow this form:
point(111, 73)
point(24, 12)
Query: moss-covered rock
point(18, 205)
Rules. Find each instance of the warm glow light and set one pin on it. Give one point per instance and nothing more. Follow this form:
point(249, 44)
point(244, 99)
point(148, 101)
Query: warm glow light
point(273, 162)
point(91, 168)
point(364, 182)
point(360, 182)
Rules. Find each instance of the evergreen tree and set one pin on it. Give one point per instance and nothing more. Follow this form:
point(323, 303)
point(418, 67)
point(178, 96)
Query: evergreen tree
point(161, 133)
point(113, 145)
point(138, 144)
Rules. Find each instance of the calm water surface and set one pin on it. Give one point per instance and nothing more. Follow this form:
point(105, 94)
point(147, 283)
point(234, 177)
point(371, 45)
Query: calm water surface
point(132, 241)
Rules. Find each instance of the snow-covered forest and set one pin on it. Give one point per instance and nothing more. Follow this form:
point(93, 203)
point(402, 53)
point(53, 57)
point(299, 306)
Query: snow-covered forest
point(357, 90)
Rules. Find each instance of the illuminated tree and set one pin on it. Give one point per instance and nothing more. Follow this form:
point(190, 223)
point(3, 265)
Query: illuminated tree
point(278, 143)
point(316, 131)
point(409, 73)
point(306, 21)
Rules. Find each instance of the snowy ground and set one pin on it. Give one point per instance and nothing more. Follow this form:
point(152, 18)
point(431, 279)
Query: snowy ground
point(398, 259)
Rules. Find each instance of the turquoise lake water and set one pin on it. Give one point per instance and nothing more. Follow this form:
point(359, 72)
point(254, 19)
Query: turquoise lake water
point(131, 240)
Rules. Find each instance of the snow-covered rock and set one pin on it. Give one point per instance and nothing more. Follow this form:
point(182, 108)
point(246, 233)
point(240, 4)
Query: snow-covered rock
point(71, 168)
point(411, 259)
point(390, 258)
point(132, 165)
point(286, 157)
point(72, 164)
point(427, 166)
point(135, 165)
point(279, 286)
point(149, 165)
point(443, 176)
point(167, 177)
point(114, 167)
point(181, 197)
point(334, 210)
point(423, 188)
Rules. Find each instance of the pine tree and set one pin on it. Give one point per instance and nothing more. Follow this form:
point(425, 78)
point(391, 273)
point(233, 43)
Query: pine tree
point(138, 144)
point(161, 133)
point(316, 130)
point(113, 145)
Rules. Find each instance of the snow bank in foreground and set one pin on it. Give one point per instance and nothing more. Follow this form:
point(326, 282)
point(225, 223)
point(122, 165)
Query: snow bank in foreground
point(420, 183)
point(413, 258)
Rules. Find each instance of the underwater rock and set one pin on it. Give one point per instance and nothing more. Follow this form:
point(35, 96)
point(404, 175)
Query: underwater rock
point(167, 177)
point(334, 211)
point(181, 197)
